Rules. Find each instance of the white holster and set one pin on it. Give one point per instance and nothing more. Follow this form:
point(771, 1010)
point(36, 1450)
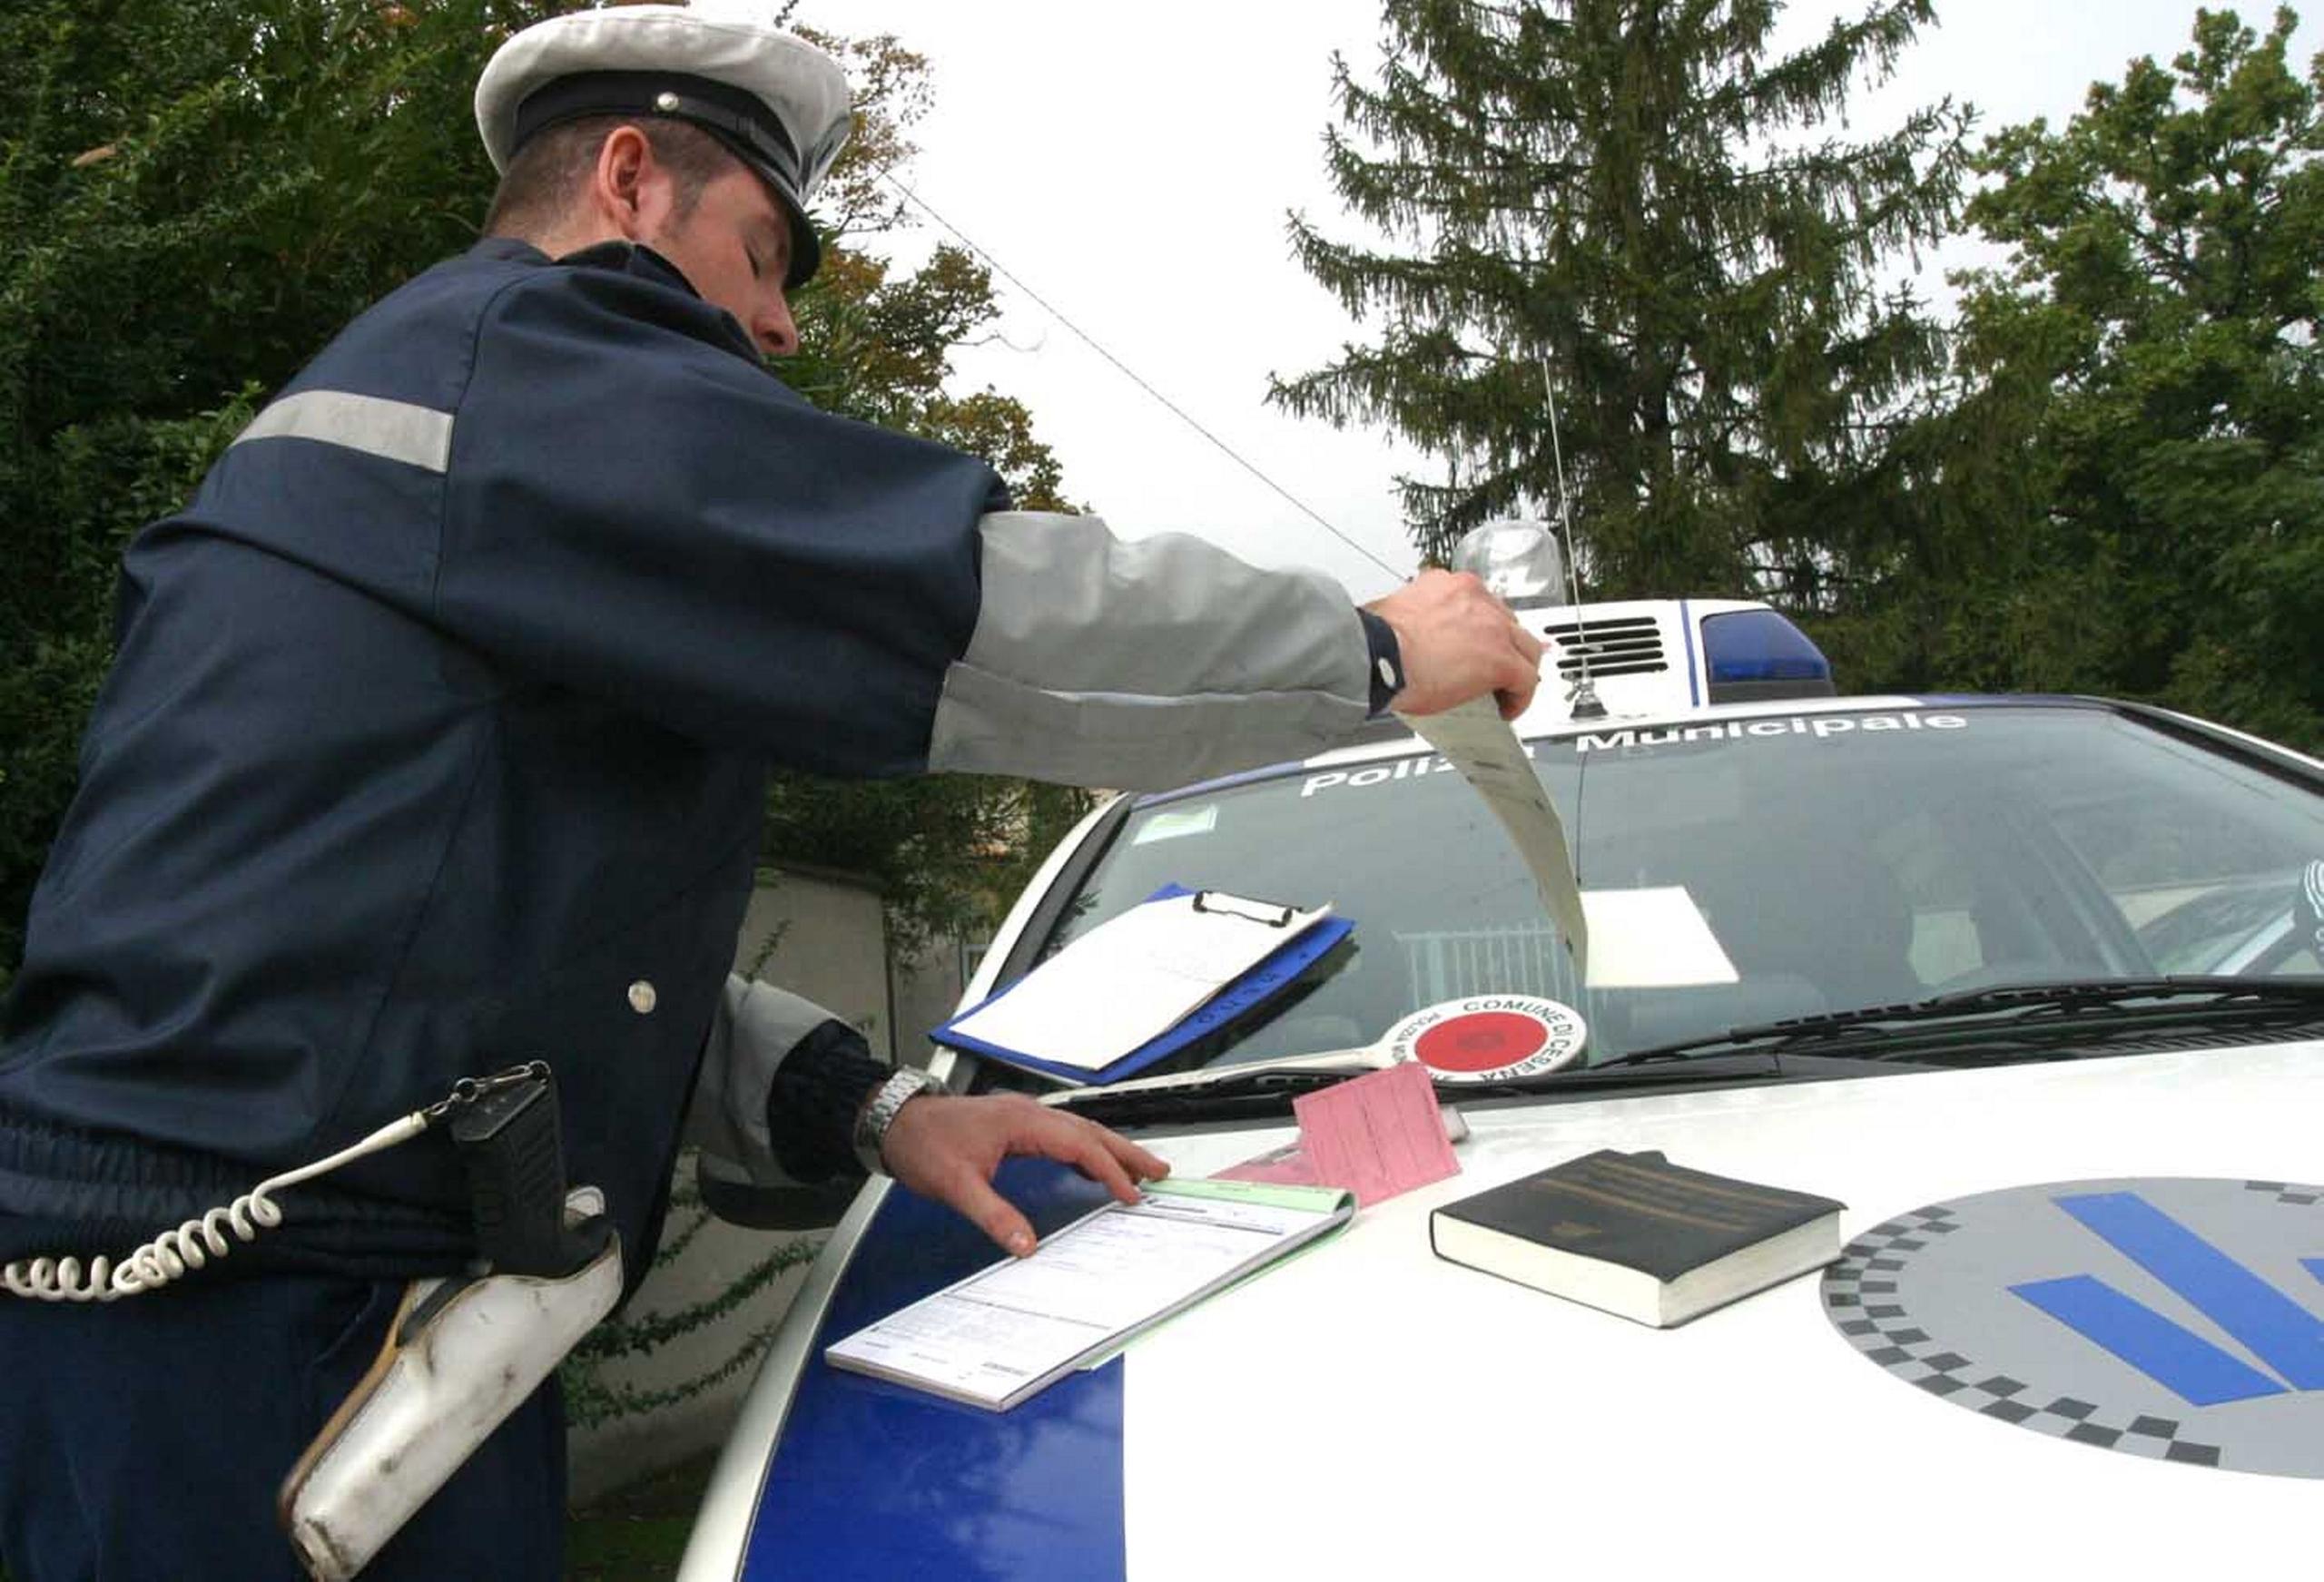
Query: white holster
point(460, 1356)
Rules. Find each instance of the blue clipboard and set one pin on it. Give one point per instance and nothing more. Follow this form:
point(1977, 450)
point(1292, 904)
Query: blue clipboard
point(1270, 975)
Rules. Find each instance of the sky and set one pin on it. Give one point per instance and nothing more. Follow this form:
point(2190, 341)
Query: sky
point(1133, 167)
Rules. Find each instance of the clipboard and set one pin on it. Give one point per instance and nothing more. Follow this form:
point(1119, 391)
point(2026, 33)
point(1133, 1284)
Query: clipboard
point(1262, 982)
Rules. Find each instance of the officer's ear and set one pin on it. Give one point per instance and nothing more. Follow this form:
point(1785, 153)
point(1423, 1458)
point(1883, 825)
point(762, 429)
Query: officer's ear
point(630, 188)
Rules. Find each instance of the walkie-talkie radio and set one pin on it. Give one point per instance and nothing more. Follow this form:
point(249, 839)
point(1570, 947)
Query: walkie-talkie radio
point(512, 1152)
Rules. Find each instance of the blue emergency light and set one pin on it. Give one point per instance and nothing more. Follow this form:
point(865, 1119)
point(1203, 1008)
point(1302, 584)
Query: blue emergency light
point(1756, 654)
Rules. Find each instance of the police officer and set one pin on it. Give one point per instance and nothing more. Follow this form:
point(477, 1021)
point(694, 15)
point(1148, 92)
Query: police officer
point(435, 740)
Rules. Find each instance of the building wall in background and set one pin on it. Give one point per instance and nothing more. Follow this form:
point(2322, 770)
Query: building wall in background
point(822, 936)
point(925, 988)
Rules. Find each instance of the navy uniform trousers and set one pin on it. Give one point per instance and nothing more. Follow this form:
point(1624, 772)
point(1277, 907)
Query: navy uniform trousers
point(108, 1475)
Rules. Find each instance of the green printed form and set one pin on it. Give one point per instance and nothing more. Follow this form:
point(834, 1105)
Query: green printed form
point(1320, 1200)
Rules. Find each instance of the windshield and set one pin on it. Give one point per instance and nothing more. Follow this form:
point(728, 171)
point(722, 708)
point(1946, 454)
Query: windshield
point(1753, 869)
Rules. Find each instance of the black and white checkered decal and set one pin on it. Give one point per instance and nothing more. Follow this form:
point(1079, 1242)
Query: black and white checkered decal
point(2177, 1319)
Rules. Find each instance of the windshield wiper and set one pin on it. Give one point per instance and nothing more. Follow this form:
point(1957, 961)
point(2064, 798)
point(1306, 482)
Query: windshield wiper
point(1839, 1043)
point(2043, 1008)
point(2036, 1012)
point(1265, 1089)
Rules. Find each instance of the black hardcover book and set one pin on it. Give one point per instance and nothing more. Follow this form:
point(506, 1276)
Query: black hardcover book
point(1638, 1236)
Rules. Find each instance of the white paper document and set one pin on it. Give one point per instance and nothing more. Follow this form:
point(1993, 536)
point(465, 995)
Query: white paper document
point(1132, 978)
point(1005, 1330)
point(1475, 739)
point(1651, 939)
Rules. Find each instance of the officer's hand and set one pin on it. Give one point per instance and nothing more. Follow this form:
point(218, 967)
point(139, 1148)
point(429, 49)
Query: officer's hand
point(1458, 642)
point(948, 1148)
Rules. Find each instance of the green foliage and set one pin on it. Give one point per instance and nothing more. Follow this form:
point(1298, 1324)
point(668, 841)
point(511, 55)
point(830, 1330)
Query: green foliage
point(199, 193)
point(880, 348)
point(2133, 463)
point(947, 851)
point(2105, 479)
point(1634, 197)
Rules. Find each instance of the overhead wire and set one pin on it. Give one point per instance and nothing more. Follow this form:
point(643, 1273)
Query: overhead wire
point(1132, 375)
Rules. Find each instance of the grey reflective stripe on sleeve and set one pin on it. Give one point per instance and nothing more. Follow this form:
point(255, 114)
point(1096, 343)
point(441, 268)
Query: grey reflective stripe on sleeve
point(418, 436)
point(1144, 663)
point(756, 1025)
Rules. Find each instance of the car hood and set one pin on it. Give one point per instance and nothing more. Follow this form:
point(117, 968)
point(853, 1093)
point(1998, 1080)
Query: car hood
point(1369, 1410)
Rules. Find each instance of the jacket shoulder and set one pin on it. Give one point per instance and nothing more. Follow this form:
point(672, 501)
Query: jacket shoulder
point(415, 344)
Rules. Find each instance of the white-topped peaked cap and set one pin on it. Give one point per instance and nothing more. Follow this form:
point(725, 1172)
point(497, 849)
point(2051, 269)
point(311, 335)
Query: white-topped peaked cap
point(779, 102)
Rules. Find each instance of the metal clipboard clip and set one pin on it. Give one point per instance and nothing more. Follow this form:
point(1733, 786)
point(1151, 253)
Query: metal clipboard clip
point(1228, 906)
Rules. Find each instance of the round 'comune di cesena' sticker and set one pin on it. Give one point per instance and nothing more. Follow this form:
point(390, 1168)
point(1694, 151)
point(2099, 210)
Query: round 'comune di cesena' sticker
point(1490, 1037)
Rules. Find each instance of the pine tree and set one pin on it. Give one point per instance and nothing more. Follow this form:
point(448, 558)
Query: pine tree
point(1635, 198)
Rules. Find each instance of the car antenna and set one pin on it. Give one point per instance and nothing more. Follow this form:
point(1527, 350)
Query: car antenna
point(1583, 697)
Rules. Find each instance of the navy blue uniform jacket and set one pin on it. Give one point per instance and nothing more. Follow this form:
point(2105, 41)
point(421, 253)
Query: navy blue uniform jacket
point(436, 742)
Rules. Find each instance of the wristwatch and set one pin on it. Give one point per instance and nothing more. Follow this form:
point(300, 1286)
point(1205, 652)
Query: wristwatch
point(873, 1121)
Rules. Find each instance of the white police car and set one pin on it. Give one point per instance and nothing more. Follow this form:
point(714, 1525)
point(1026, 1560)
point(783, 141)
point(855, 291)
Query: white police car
point(1929, 956)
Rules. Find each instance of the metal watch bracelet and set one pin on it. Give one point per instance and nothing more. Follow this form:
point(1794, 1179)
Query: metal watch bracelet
point(872, 1123)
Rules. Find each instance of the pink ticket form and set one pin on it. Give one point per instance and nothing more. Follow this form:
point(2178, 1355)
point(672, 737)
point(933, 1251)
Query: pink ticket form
point(1377, 1135)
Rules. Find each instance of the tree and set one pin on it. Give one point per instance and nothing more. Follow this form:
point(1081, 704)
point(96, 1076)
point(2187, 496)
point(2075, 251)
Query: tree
point(199, 193)
point(2155, 522)
point(1631, 195)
